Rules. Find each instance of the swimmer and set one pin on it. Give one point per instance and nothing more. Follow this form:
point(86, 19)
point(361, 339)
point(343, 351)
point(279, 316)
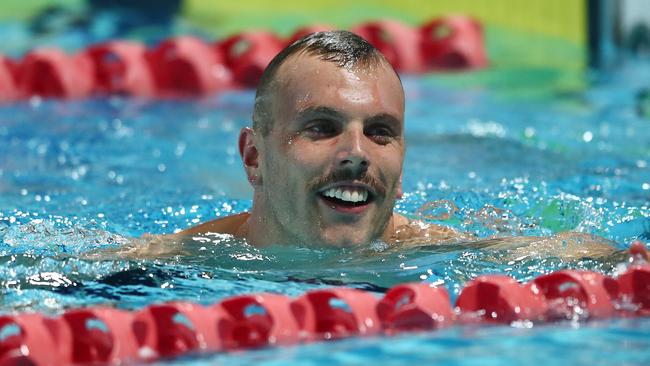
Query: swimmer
point(324, 157)
point(325, 153)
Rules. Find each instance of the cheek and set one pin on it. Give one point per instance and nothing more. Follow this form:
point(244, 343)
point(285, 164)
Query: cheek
point(396, 174)
point(307, 157)
point(391, 161)
point(294, 164)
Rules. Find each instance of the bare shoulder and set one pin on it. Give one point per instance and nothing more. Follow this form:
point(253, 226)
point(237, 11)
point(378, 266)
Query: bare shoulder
point(233, 225)
point(422, 233)
point(151, 246)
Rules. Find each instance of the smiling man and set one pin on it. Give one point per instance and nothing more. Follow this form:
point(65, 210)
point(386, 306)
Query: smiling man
point(325, 158)
point(326, 149)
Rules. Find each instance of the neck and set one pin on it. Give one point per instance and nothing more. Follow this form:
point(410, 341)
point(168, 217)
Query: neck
point(261, 227)
point(258, 231)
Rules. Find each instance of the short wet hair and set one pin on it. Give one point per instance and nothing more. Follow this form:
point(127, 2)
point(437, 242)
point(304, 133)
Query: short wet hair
point(342, 48)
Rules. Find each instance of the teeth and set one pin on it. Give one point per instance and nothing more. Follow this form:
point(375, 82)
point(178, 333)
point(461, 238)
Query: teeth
point(348, 194)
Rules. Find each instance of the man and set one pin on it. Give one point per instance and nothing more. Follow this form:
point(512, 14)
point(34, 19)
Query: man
point(325, 158)
point(326, 149)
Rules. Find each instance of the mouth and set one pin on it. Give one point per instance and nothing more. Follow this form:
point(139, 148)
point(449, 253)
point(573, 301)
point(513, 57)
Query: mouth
point(347, 198)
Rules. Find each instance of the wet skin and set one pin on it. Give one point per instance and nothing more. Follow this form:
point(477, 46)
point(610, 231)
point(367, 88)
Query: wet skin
point(332, 128)
point(339, 128)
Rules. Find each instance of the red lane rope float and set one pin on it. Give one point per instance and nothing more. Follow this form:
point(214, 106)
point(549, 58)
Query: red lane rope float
point(172, 329)
point(50, 72)
point(121, 67)
point(412, 307)
point(247, 55)
point(566, 291)
point(499, 299)
point(336, 313)
point(32, 339)
point(634, 290)
point(100, 335)
point(452, 43)
point(187, 66)
point(399, 43)
point(8, 87)
point(257, 320)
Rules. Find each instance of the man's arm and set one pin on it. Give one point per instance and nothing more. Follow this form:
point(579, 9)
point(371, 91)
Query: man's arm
point(565, 245)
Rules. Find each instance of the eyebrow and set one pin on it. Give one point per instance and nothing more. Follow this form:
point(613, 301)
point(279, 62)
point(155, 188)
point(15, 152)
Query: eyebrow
point(333, 112)
point(320, 111)
point(388, 118)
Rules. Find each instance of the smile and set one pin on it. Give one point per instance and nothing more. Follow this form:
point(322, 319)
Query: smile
point(347, 194)
point(350, 199)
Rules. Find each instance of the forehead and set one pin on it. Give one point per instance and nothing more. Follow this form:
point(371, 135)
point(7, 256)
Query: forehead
point(305, 81)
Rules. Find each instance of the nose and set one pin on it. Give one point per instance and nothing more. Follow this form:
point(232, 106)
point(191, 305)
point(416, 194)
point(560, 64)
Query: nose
point(352, 154)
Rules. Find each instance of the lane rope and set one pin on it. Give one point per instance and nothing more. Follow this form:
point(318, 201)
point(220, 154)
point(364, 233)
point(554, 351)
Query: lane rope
point(103, 335)
point(187, 66)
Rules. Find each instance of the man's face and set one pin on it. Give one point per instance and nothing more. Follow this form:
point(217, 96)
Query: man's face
point(331, 165)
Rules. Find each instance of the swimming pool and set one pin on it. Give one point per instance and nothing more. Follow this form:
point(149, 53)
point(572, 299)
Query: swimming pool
point(82, 175)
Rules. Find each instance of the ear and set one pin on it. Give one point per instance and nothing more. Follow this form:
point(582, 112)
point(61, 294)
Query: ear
point(250, 155)
point(400, 191)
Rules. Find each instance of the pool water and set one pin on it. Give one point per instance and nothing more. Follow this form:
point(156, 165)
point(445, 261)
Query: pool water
point(81, 176)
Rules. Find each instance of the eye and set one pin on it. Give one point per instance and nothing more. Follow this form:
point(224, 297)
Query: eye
point(382, 134)
point(321, 129)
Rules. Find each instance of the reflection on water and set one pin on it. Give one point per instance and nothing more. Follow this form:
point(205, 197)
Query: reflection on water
point(79, 180)
point(112, 269)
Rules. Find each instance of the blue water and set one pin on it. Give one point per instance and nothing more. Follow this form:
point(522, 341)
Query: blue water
point(86, 176)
